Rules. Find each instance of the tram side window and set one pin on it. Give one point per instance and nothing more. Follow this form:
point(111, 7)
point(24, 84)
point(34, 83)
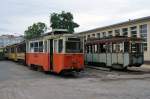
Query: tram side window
point(12, 50)
point(126, 47)
point(31, 47)
point(136, 48)
point(109, 48)
point(60, 45)
point(102, 48)
point(21, 48)
point(41, 46)
point(45, 44)
point(73, 47)
point(55, 46)
point(36, 47)
point(116, 48)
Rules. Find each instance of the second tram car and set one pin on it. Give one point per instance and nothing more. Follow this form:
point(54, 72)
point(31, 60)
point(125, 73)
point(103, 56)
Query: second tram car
point(117, 52)
point(56, 53)
point(1, 53)
point(16, 52)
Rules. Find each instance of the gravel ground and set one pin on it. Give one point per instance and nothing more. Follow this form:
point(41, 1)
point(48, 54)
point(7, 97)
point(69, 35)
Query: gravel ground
point(18, 82)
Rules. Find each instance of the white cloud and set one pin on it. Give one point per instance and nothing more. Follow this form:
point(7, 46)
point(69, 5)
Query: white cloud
point(17, 15)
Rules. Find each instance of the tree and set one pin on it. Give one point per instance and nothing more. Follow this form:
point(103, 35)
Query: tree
point(64, 20)
point(36, 30)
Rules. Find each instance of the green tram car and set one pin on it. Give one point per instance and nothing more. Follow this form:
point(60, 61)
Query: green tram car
point(115, 52)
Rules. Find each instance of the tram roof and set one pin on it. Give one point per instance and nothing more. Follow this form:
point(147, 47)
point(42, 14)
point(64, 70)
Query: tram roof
point(116, 39)
point(15, 44)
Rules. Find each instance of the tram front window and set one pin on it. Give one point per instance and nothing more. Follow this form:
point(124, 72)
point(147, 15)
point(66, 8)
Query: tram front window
point(136, 48)
point(73, 47)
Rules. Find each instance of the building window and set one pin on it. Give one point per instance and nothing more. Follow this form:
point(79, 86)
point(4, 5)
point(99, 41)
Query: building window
point(125, 31)
point(133, 31)
point(104, 34)
point(93, 35)
point(109, 33)
point(88, 36)
point(98, 35)
point(143, 34)
point(117, 32)
point(84, 38)
point(143, 29)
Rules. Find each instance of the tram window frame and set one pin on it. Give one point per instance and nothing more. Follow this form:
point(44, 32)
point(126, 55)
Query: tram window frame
point(40, 47)
point(60, 45)
point(102, 48)
point(55, 46)
point(21, 48)
point(31, 47)
point(126, 47)
point(108, 48)
point(73, 47)
point(45, 46)
point(12, 50)
point(36, 47)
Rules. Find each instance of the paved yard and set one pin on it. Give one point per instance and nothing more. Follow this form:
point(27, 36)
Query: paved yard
point(18, 82)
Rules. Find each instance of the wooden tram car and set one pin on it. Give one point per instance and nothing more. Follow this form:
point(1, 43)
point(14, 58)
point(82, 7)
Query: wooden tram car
point(117, 52)
point(56, 53)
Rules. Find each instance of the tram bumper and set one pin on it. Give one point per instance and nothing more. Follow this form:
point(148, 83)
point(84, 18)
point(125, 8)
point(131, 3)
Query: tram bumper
point(74, 62)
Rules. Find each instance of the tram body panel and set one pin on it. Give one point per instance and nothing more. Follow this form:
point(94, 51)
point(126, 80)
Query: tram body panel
point(89, 57)
point(102, 58)
point(68, 62)
point(114, 58)
point(95, 58)
point(40, 59)
point(120, 58)
point(136, 60)
point(20, 56)
point(12, 56)
point(109, 59)
point(126, 59)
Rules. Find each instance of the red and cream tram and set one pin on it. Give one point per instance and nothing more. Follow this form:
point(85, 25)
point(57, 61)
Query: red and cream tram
point(55, 53)
point(117, 52)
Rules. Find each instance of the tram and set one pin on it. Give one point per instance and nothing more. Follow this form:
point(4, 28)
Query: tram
point(15, 52)
point(115, 52)
point(10, 52)
point(20, 52)
point(1, 53)
point(56, 53)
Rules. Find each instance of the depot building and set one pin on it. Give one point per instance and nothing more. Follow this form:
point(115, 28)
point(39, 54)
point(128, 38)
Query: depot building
point(132, 28)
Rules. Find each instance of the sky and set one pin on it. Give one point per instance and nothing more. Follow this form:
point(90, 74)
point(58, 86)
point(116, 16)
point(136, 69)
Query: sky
point(17, 15)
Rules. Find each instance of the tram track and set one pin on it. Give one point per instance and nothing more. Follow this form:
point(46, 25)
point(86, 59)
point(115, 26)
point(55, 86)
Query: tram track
point(107, 74)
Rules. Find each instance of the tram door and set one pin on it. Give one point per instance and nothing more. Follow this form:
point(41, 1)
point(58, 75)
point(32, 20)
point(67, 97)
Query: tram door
point(51, 53)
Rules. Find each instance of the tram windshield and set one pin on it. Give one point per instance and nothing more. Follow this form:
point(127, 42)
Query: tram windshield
point(73, 47)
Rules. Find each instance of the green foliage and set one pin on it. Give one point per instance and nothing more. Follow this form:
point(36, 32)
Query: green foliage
point(35, 30)
point(63, 20)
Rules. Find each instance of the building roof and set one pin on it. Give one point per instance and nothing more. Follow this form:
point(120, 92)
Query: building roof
point(118, 24)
